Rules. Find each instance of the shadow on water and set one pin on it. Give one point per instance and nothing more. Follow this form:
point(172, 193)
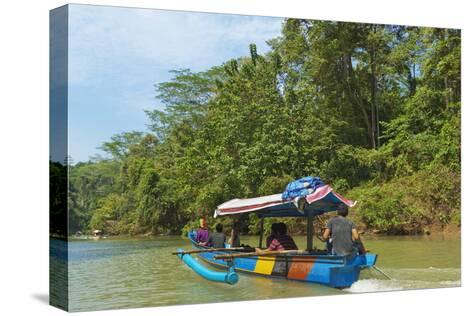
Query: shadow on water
point(41, 297)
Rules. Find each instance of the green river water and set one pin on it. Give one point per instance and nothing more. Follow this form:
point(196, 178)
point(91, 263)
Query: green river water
point(141, 272)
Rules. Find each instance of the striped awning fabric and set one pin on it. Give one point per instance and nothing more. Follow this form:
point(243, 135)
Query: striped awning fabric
point(322, 200)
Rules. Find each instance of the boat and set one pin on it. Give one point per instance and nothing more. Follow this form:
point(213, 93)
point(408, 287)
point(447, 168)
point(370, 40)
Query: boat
point(309, 265)
point(97, 234)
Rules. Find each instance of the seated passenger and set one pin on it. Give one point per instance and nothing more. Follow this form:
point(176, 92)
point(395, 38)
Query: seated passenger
point(235, 235)
point(217, 239)
point(270, 238)
point(281, 240)
point(341, 232)
point(202, 232)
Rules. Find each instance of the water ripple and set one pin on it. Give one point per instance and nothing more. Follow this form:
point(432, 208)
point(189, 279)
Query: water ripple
point(129, 273)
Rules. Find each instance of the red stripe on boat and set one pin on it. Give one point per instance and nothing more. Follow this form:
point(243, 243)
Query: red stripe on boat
point(299, 270)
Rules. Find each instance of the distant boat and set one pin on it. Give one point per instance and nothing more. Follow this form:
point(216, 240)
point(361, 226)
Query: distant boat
point(97, 234)
point(317, 266)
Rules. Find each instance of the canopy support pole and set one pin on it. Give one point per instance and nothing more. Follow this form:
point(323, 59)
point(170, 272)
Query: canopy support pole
point(310, 230)
point(261, 232)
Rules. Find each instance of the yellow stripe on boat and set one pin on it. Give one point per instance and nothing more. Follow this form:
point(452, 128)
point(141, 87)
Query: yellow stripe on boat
point(265, 265)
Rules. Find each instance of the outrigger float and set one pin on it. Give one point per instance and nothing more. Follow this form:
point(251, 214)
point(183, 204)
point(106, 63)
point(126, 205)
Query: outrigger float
point(309, 265)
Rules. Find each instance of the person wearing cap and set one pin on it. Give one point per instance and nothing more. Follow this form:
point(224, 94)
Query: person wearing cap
point(342, 233)
point(202, 232)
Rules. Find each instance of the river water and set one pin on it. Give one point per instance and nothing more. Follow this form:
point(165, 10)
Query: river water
point(141, 272)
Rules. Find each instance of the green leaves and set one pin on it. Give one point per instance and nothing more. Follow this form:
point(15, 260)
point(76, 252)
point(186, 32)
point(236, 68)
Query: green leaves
point(372, 109)
point(120, 144)
point(408, 204)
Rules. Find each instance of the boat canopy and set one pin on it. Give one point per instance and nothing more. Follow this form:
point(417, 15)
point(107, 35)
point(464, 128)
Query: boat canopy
point(321, 201)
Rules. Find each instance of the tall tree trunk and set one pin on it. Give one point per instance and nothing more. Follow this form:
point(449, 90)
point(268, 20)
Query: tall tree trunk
point(445, 79)
point(411, 79)
point(374, 105)
point(447, 92)
point(349, 76)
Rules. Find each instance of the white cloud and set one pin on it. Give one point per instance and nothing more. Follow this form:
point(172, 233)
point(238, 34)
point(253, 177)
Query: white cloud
point(117, 54)
point(109, 41)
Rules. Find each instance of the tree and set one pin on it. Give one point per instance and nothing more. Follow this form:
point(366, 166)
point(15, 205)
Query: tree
point(372, 109)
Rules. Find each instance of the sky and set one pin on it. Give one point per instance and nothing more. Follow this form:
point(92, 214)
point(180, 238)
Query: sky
point(116, 55)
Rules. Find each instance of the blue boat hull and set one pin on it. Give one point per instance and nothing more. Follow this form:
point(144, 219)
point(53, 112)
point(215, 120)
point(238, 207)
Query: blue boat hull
point(321, 268)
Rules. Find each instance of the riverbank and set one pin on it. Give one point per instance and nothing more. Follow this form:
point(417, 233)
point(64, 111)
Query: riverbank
point(449, 231)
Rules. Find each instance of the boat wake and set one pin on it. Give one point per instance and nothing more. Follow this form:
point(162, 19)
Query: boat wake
point(406, 279)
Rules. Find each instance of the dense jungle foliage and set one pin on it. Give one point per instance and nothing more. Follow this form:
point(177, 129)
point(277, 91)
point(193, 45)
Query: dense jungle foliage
point(374, 110)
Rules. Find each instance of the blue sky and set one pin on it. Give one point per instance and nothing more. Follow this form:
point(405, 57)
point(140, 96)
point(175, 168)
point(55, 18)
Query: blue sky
point(116, 55)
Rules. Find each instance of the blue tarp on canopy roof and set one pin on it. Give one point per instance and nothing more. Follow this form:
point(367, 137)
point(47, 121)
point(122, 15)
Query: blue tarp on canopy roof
point(302, 187)
point(321, 201)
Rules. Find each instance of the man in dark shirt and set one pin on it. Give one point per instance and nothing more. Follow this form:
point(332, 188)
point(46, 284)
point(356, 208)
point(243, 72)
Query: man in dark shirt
point(342, 233)
point(217, 239)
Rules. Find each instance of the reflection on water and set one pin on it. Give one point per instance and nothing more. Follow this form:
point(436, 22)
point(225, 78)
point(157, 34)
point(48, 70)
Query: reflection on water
point(58, 273)
point(121, 273)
